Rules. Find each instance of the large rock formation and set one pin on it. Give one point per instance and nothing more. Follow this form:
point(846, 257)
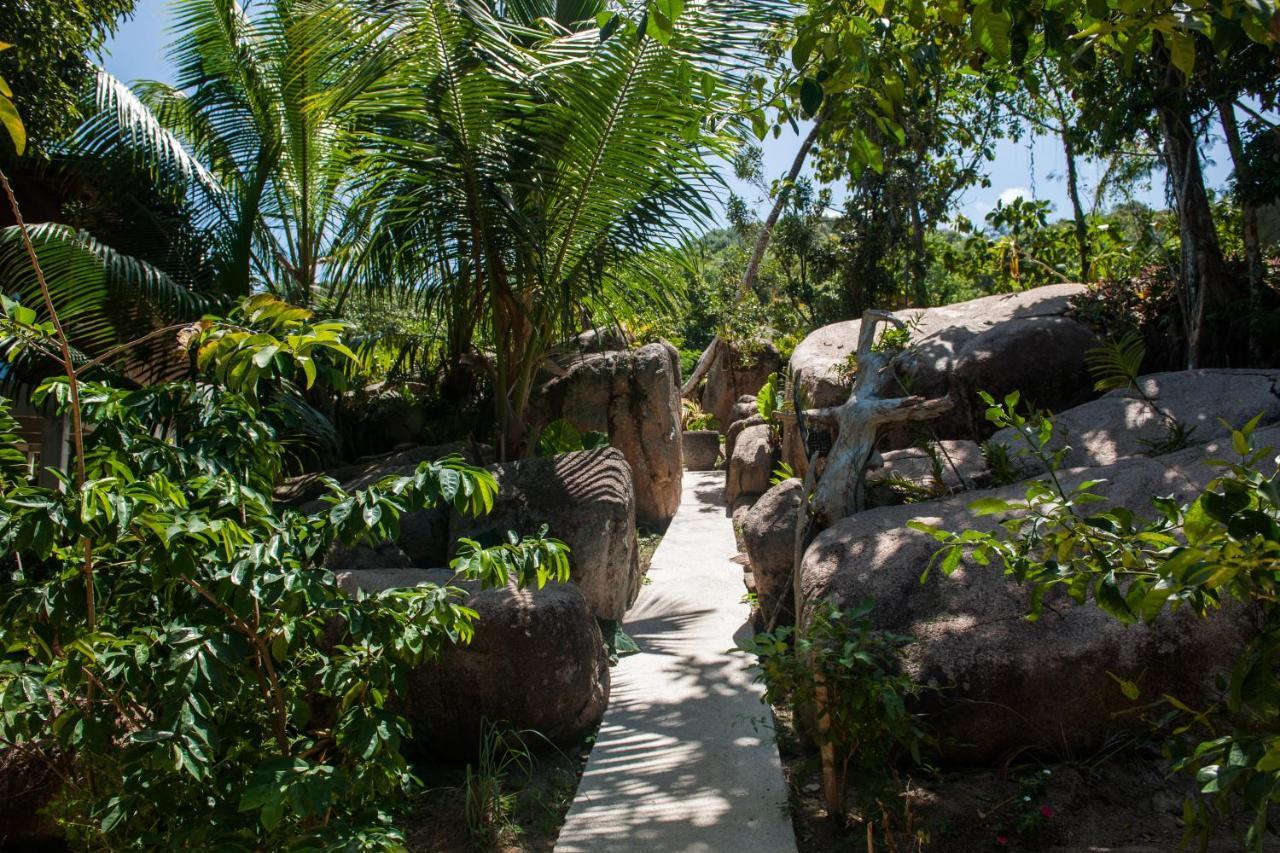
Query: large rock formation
point(1007, 683)
point(586, 499)
point(751, 464)
point(733, 375)
point(634, 397)
point(537, 662)
point(701, 450)
point(1023, 341)
point(769, 537)
point(1120, 425)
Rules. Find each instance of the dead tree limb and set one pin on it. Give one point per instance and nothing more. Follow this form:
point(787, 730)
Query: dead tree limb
point(859, 423)
point(840, 488)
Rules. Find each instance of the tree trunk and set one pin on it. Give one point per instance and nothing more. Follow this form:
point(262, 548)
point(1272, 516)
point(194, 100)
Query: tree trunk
point(757, 254)
point(1077, 209)
point(1205, 286)
point(919, 255)
point(1257, 270)
point(1073, 188)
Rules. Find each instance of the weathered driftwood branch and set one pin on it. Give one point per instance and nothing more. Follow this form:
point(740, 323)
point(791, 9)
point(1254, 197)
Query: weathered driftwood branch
point(837, 486)
point(840, 488)
point(859, 422)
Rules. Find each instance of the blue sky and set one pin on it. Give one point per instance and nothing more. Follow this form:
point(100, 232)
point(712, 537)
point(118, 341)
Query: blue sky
point(1035, 170)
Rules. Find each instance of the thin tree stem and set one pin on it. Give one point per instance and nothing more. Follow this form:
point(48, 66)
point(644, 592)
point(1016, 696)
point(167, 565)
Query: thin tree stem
point(757, 254)
point(68, 366)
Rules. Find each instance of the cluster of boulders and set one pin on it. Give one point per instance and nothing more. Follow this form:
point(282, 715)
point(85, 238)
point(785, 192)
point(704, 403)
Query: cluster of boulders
point(538, 660)
point(1004, 683)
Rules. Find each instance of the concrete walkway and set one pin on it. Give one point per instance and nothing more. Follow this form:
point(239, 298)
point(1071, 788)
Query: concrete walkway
point(685, 759)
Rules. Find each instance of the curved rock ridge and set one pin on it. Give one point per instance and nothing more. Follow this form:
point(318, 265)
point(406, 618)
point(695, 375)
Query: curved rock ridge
point(587, 500)
point(1006, 683)
point(1121, 425)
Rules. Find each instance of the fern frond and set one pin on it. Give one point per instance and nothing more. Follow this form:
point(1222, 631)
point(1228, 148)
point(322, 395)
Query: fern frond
point(1117, 363)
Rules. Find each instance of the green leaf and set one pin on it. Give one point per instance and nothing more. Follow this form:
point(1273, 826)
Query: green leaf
point(811, 96)
point(991, 506)
point(1182, 51)
point(13, 124)
point(991, 30)
point(263, 356)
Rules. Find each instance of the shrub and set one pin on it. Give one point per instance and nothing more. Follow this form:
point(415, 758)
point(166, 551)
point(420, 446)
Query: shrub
point(840, 663)
point(173, 630)
point(1223, 545)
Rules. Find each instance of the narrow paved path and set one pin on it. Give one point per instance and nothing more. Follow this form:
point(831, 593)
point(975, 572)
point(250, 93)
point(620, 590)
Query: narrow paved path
point(685, 759)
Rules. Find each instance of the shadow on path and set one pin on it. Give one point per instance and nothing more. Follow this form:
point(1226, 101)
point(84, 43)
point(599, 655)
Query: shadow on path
point(685, 759)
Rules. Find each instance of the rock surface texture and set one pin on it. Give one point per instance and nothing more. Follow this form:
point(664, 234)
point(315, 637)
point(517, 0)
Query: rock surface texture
point(1008, 683)
point(751, 463)
point(586, 499)
point(701, 450)
point(537, 661)
point(743, 409)
point(1121, 424)
point(1022, 341)
point(959, 463)
point(733, 375)
point(633, 396)
point(769, 537)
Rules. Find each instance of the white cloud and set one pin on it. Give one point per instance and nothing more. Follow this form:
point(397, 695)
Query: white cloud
point(1007, 197)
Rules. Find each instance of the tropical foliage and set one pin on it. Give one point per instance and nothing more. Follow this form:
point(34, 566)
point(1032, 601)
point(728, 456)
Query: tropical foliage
point(48, 65)
point(176, 648)
point(496, 168)
point(1216, 551)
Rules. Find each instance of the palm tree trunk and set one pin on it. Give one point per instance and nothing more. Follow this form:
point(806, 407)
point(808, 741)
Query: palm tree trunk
point(757, 254)
point(1252, 243)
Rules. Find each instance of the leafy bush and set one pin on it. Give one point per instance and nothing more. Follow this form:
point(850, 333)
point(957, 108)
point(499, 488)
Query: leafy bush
point(769, 398)
point(173, 632)
point(1224, 545)
point(840, 663)
point(1145, 303)
point(694, 418)
point(563, 437)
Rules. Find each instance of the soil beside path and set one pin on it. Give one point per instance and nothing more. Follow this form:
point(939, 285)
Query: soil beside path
point(685, 759)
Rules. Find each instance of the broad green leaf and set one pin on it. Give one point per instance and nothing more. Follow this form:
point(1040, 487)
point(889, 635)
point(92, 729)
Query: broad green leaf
point(991, 30)
point(1182, 51)
point(13, 124)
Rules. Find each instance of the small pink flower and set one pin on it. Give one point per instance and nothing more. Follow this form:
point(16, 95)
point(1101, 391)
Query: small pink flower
point(1002, 840)
point(1047, 811)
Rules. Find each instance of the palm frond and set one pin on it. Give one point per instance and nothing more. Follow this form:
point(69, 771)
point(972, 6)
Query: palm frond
point(103, 298)
point(1116, 364)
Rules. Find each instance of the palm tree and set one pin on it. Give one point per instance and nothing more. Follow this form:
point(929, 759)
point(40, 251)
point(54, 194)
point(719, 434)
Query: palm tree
point(499, 165)
point(264, 171)
point(547, 145)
